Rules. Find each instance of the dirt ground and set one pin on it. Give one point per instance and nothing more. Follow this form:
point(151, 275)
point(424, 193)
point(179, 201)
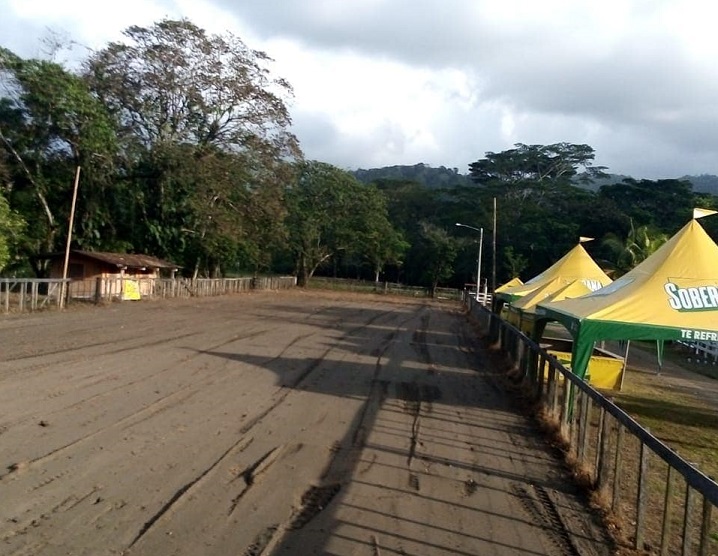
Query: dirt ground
point(284, 423)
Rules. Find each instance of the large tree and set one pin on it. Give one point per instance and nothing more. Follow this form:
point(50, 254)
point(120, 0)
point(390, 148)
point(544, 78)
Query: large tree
point(378, 241)
point(664, 204)
point(332, 215)
point(50, 124)
point(556, 164)
point(175, 83)
point(206, 140)
point(438, 251)
point(540, 209)
point(12, 227)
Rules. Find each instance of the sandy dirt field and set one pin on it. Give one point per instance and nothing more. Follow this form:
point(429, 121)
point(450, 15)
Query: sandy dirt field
point(284, 423)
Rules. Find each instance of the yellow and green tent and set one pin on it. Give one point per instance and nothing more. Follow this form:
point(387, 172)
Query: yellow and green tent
point(577, 264)
point(522, 311)
point(672, 295)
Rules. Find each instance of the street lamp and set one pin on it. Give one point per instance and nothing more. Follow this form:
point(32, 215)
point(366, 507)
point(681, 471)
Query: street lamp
point(478, 266)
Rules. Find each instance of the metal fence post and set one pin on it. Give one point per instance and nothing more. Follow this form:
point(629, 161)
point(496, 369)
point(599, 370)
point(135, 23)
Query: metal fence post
point(705, 528)
point(642, 496)
point(667, 504)
point(617, 471)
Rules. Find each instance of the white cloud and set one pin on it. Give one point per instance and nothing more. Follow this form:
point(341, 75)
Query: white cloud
point(382, 82)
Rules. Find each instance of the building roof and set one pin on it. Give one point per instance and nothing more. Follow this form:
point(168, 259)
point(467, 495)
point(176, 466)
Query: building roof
point(120, 260)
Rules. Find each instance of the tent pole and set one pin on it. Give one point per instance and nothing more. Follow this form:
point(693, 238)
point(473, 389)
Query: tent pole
point(625, 365)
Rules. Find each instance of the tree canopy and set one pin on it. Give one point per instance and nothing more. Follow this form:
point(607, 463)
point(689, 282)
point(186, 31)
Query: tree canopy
point(186, 149)
point(173, 82)
point(332, 215)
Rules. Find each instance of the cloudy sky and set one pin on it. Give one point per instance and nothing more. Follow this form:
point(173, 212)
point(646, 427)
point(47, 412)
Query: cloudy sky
point(384, 82)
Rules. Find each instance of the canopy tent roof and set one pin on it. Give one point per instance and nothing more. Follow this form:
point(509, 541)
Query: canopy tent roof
point(577, 288)
point(577, 264)
point(672, 295)
point(555, 290)
point(510, 284)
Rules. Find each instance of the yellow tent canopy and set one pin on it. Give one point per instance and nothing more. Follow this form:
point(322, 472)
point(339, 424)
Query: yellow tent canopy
point(510, 284)
point(577, 264)
point(555, 290)
point(672, 295)
point(522, 310)
point(577, 288)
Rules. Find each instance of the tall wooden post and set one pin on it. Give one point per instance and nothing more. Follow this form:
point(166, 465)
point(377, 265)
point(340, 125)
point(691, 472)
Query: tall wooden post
point(64, 288)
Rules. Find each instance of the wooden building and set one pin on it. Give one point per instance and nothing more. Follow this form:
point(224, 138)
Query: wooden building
point(99, 275)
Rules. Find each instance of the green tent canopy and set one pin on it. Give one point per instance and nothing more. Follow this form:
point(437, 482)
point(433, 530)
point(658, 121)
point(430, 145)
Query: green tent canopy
point(672, 295)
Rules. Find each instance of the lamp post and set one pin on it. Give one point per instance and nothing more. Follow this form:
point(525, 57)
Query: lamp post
point(478, 265)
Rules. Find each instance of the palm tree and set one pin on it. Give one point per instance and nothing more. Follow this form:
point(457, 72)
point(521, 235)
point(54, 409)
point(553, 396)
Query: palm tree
point(640, 244)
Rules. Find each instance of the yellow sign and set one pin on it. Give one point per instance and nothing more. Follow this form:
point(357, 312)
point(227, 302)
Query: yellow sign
point(130, 290)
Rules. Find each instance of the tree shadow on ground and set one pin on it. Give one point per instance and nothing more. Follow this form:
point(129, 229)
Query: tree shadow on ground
point(434, 435)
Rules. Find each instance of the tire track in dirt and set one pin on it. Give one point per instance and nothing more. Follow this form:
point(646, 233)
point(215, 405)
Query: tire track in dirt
point(108, 393)
point(82, 355)
point(345, 458)
point(541, 510)
point(22, 527)
point(130, 420)
point(418, 397)
point(239, 446)
point(156, 407)
point(251, 474)
point(71, 349)
point(253, 471)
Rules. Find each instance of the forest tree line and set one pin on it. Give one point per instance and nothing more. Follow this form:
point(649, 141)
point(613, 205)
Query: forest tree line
point(184, 143)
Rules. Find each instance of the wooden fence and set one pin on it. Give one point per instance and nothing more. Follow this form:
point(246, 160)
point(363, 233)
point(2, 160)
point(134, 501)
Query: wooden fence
point(29, 294)
point(665, 503)
point(389, 288)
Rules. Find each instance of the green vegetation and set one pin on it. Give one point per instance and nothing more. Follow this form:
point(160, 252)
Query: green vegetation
point(678, 417)
point(186, 153)
point(640, 243)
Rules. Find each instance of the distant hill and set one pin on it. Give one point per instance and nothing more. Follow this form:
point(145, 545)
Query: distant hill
point(442, 177)
point(705, 183)
point(434, 178)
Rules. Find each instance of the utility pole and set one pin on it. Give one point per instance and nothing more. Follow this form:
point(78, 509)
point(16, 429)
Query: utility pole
point(493, 253)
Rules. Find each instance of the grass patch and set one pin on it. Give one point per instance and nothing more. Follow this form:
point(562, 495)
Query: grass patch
point(682, 356)
point(677, 415)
